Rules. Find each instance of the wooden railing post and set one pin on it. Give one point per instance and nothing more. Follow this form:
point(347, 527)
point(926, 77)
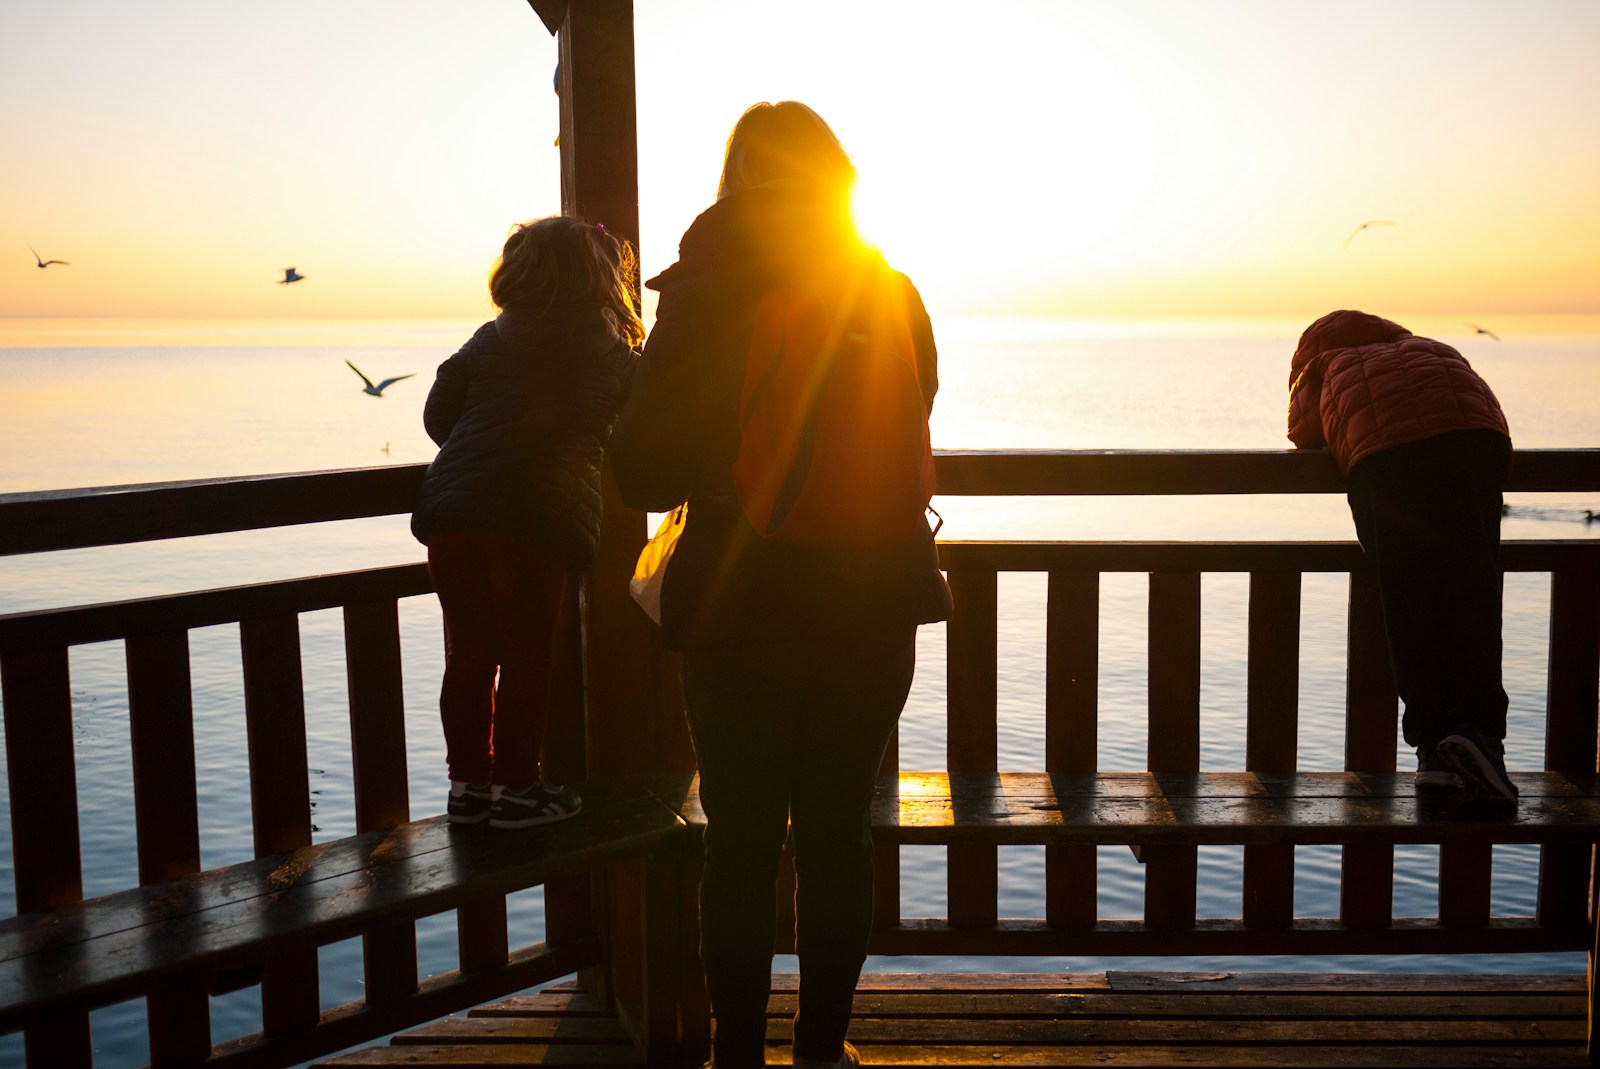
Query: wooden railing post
point(378, 755)
point(1272, 712)
point(1366, 882)
point(44, 822)
point(280, 794)
point(1171, 872)
point(166, 819)
point(972, 739)
point(1071, 732)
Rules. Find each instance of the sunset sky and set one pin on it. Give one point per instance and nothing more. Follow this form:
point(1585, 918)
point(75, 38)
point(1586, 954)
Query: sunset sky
point(1060, 158)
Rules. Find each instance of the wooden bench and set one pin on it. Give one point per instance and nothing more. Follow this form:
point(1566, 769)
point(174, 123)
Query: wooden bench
point(200, 929)
point(1164, 817)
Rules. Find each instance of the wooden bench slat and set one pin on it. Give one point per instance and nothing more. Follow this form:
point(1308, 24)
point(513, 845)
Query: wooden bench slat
point(1207, 808)
point(114, 947)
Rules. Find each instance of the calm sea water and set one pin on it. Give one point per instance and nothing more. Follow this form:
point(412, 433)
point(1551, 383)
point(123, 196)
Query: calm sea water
point(207, 402)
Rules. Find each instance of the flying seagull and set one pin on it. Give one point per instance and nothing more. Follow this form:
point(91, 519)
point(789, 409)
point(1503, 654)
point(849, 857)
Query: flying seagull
point(46, 263)
point(1363, 226)
point(377, 391)
point(1482, 330)
point(290, 275)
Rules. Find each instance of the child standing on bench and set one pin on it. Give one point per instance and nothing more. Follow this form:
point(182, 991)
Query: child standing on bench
point(1426, 450)
point(510, 507)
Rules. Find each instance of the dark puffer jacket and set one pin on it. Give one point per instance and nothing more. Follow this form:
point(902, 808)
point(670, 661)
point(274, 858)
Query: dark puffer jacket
point(1360, 384)
point(522, 415)
point(679, 433)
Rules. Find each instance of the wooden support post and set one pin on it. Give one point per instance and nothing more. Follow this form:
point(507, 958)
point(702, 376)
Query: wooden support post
point(1272, 725)
point(972, 740)
point(1171, 872)
point(1071, 732)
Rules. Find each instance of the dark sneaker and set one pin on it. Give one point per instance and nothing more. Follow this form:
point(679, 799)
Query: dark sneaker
point(1480, 762)
point(541, 803)
point(1432, 773)
point(848, 1059)
point(469, 802)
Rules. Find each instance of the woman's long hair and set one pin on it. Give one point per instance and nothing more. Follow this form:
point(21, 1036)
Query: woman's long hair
point(565, 265)
point(784, 140)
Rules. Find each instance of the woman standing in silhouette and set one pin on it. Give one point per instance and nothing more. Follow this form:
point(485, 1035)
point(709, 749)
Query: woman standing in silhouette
point(797, 658)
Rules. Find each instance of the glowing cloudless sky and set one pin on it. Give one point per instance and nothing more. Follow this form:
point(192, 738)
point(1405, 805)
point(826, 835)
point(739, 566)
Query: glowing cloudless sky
point(1143, 159)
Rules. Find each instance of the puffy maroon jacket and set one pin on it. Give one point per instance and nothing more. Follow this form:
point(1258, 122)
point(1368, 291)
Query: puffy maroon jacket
point(1360, 384)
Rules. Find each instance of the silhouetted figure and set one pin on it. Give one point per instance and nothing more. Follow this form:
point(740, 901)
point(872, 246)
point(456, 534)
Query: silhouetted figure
point(797, 658)
point(290, 275)
point(511, 505)
point(1426, 449)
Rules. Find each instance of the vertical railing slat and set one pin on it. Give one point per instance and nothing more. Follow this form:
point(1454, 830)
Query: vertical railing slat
point(1071, 740)
point(166, 819)
point(482, 944)
point(280, 794)
point(1272, 703)
point(1571, 695)
point(574, 906)
point(972, 741)
point(378, 754)
point(1174, 735)
point(886, 856)
point(1465, 869)
point(45, 855)
point(1366, 880)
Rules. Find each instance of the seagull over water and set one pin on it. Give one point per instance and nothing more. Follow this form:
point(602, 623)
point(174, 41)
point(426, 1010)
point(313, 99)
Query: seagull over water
point(46, 263)
point(290, 275)
point(1482, 330)
point(377, 391)
point(1363, 226)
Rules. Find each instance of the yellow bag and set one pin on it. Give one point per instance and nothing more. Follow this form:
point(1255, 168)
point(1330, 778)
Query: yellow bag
point(651, 571)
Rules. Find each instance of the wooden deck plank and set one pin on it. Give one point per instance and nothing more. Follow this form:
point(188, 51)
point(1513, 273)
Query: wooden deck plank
point(977, 1005)
point(1152, 1019)
point(114, 947)
point(459, 1056)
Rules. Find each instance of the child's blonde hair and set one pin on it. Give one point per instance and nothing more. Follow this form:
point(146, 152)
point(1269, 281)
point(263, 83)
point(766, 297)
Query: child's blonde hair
point(561, 263)
point(783, 140)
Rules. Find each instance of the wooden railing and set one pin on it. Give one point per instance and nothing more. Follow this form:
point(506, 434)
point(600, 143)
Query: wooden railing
point(39, 740)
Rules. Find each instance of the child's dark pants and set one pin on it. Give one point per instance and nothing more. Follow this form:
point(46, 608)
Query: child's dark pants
point(501, 601)
point(1428, 517)
point(790, 736)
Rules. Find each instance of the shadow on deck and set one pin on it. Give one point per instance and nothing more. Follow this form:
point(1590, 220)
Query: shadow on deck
point(1112, 1019)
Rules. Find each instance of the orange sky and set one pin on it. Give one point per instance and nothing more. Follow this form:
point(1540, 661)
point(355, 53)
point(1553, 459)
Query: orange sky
point(1065, 158)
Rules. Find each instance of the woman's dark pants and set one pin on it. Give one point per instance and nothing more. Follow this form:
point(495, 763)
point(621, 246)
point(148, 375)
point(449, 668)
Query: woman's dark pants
point(789, 736)
point(1428, 517)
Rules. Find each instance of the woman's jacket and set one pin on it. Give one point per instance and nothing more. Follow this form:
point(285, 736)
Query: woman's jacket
point(522, 415)
point(1360, 384)
point(679, 433)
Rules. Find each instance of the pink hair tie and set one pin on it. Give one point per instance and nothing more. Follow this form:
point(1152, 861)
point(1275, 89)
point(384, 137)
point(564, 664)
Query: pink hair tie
point(600, 227)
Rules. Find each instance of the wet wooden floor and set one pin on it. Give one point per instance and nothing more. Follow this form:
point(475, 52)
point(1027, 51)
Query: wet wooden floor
point(1112, 1019)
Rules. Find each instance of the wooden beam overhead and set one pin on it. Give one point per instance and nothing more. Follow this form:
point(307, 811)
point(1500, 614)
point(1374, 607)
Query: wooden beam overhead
point(551, 12)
